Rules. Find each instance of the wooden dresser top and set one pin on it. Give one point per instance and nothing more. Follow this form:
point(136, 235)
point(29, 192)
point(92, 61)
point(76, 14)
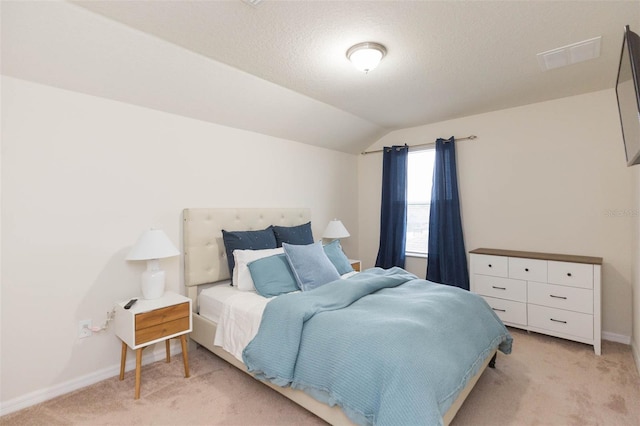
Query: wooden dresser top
point(541, 256)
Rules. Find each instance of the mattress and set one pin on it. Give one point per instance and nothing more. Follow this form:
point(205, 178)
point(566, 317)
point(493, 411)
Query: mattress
point(211, 300)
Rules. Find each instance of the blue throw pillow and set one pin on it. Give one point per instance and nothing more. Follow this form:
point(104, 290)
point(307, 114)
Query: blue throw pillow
point(272, 276)
point(299, 235)
point(337, 257)
point(310, 265)
point(246, 240)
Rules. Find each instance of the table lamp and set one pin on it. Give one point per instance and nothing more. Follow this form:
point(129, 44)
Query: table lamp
point(335, 230)
point(152, 246)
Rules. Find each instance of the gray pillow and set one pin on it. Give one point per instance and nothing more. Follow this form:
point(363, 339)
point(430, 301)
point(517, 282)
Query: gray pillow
point(310, 265)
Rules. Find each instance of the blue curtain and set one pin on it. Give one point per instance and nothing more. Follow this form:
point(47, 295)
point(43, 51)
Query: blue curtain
point(393, 212)
point(447, 258)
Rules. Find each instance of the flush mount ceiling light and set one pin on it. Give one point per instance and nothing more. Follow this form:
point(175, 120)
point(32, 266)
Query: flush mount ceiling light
point(366, 56)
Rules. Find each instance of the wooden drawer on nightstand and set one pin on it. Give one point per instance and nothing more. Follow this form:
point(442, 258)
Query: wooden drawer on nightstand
point(356, 265)
point(161, 323)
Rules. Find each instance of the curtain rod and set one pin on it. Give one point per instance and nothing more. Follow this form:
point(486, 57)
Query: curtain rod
point(469, 138)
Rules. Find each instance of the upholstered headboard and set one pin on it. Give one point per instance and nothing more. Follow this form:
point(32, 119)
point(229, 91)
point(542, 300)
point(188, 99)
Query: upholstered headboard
point(205, 259)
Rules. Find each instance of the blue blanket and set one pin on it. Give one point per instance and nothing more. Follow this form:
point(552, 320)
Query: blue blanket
point(387, 347)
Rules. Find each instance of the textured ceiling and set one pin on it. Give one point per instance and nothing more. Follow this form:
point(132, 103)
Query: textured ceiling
point(445, 59)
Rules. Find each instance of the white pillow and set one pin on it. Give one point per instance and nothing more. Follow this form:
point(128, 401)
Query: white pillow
point(241, 274)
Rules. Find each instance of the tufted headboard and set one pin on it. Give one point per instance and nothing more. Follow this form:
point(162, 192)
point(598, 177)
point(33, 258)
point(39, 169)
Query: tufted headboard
point(205, 259)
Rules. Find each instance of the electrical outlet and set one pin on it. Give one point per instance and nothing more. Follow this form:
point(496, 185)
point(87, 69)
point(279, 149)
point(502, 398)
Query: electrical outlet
point(84, 329)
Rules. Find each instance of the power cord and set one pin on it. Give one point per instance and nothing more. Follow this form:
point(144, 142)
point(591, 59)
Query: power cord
point(105, 325)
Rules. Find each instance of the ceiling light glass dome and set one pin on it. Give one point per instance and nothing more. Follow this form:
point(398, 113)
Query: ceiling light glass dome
point(366, 56)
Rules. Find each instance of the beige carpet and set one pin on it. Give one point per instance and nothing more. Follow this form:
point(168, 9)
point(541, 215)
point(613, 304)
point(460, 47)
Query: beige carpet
point(545, 381)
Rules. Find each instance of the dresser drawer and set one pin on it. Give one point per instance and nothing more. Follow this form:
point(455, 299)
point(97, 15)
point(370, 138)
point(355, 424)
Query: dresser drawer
point(562, 297)
point(508, 310)
point(572, 274)
point(528, 269)
point(496, 266)
point(502, 288)
point(561, 321)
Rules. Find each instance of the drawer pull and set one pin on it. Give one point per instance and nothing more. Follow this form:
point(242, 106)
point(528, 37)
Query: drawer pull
point(555, 320)
point(499, 310)
point(498, 288)
point(526, 269)
point(568, 274)
point(490, 265)
point(558, 297)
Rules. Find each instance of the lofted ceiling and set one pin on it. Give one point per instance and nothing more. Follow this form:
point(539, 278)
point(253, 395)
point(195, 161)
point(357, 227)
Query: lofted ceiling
point(445, 59)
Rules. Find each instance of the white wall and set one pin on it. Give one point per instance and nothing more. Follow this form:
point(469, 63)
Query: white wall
point(547, 177)
point(635, 256)
point(83, 176)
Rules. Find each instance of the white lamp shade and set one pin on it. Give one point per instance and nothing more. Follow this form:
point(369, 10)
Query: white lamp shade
point(152, 244)
point(335, 229)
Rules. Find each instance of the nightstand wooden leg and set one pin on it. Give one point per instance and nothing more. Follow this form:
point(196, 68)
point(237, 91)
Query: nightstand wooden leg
point(185, 355)
point(123, 360)
point(138, 368)
point(168, 346)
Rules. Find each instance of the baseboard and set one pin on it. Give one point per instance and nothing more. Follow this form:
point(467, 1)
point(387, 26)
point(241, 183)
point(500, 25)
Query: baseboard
point(635, 351)
point(618, 338)
point(42, 395)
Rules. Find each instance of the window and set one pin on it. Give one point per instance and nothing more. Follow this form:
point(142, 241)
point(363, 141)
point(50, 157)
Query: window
point(419, 182)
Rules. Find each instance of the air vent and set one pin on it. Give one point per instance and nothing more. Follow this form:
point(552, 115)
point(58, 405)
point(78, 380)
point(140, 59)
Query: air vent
point(571, 54)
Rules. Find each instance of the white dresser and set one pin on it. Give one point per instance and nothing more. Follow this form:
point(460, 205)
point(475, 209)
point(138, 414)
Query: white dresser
point(547, 293)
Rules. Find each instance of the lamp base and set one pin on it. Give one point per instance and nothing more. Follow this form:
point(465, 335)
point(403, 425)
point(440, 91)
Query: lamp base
point(152, 283)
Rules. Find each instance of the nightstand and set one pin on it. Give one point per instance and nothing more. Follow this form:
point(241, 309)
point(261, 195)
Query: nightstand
point(153, 321)
point(356, 265)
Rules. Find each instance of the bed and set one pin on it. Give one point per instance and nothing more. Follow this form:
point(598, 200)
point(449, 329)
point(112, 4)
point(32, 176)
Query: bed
point(205, 268)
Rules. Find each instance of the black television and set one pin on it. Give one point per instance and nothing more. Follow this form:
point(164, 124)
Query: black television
point(628, 94)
